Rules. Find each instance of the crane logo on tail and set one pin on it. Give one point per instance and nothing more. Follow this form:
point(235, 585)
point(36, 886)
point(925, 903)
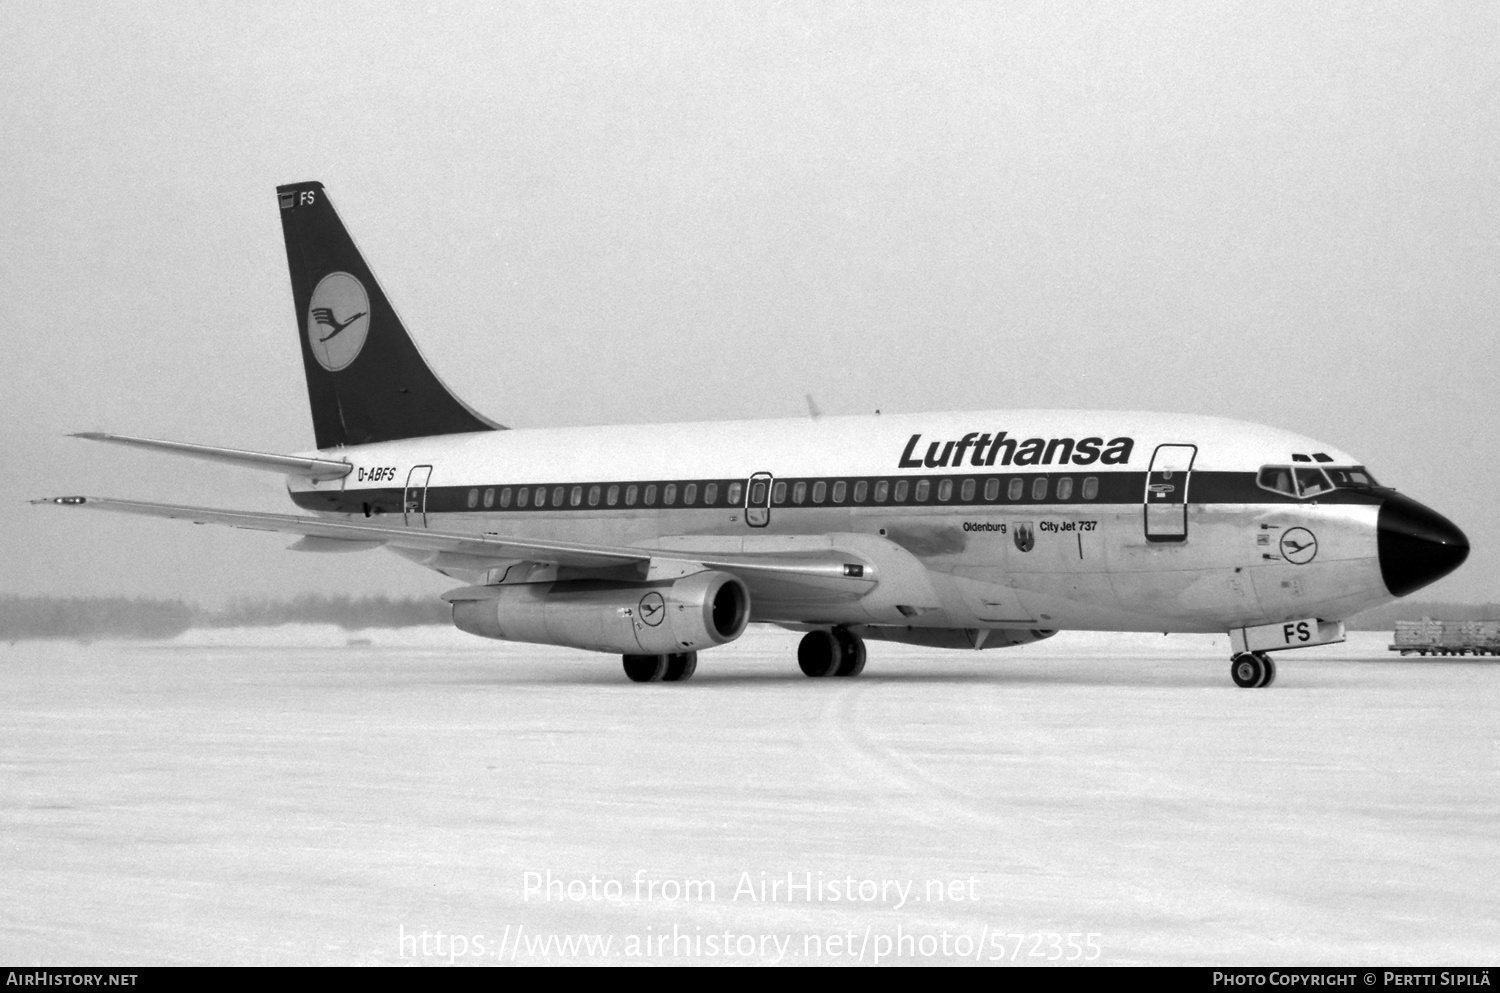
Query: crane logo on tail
point(338, 319)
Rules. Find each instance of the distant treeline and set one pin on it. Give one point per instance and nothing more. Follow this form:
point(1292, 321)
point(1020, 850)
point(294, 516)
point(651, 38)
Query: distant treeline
point(90, 618)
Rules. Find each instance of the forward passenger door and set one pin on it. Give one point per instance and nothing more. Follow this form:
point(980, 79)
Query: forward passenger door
point(1167, 492)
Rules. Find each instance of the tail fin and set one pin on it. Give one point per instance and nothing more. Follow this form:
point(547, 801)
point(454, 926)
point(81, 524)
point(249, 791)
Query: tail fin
point(366, 380)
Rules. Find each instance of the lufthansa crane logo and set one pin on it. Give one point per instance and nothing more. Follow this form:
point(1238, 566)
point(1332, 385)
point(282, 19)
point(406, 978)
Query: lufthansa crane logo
point(653, 609)
point(1299, 546)
point(338, 319)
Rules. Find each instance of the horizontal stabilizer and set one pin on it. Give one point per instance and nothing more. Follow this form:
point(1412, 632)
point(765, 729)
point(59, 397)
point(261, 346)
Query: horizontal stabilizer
point(289, 465)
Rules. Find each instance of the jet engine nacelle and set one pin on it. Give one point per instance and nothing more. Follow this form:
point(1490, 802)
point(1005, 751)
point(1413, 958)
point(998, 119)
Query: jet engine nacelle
point(691, 613)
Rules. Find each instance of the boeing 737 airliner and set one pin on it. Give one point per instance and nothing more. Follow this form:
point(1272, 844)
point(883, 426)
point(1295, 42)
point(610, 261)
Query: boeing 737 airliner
point(953, 530)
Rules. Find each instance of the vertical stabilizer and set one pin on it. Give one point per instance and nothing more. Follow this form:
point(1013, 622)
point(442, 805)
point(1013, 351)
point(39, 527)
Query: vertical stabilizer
point(366, 380)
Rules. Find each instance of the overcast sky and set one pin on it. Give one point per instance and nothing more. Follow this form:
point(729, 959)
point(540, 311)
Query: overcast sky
point(598, 213)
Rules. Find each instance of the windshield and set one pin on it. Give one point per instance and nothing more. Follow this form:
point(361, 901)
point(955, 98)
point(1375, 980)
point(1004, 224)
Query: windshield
point(1354, 478)
point(1305, 481)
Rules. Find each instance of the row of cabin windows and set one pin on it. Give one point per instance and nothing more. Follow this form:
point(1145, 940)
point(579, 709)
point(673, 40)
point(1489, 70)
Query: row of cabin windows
point(801, 492)
point(882, 490)
point(634, 495)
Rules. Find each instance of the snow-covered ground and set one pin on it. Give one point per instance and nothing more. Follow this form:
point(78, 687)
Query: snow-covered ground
point(304, 795)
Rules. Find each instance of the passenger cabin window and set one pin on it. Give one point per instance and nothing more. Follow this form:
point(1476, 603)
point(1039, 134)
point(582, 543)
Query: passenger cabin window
point(473, 498)
point(1065, 488)
point(799, 493)
point(967, 493)
point(711, 494)
point(631, 492)
point(577, 497)
point(945, 490)
point(839, 489)
point(861, 490)
point(557, 496)
point(612, 495)
point(650, 496)
point(758, 493)
point(1016, 488)
point(778, 492)
point(489, 498)
point(594, 496)
point(1039, 488)
point(991, 488)
point(733, 497)
point(505, 497)
point(690, 494)
point(924, 487)
point(882, 490)
point(900, 495)
point(1090, 487)
point(669, 494)
point(540, 498)
point(522, 496)
point(820, 491)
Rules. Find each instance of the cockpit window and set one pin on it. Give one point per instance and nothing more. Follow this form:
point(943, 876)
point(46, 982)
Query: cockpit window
point(1305, 481)
point(1277, 479)
point(1311, 482)
point(1355, 477)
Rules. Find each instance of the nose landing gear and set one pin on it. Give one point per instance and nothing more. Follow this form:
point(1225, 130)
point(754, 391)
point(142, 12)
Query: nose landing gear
point(1252, 670)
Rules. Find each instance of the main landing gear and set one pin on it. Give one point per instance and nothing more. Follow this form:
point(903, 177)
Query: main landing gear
point(831, 653)
point(1252, 670)
point(661, 668)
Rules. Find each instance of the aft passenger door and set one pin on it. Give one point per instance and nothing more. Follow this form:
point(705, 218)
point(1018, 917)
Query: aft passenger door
point(758, 500)
point(414, 502)
point(1167, 492)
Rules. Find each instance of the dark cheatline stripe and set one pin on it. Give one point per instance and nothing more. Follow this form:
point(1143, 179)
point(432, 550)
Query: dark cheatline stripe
point(1113, 488)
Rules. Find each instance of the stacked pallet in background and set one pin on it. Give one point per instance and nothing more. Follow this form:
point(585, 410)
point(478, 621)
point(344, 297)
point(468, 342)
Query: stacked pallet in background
point(1430, 637)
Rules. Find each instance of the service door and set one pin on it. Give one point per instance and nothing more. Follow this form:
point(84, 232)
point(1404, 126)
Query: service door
point(414, 504)
point(1167, 492)
point(758, 500)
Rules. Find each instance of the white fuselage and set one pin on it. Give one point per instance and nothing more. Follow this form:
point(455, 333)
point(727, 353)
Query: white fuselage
point(1026, 519)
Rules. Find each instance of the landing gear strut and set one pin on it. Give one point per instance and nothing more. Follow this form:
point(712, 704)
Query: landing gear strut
point(1252, 670)
point(661, 668)
point(838, 652)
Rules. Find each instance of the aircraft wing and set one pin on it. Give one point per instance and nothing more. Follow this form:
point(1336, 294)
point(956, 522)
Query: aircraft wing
point(828, 572)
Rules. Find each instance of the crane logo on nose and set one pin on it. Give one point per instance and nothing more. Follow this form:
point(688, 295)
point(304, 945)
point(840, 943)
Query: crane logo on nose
point(1299, 546)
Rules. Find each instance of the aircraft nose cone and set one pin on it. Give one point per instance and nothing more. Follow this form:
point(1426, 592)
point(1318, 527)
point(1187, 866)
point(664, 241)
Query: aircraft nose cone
point(1417, 545)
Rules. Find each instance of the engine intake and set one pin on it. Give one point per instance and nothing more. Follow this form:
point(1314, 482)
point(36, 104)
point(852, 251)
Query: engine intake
point(691, 613)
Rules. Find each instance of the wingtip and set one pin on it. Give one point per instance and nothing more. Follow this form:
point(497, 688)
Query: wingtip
point(62, 501)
